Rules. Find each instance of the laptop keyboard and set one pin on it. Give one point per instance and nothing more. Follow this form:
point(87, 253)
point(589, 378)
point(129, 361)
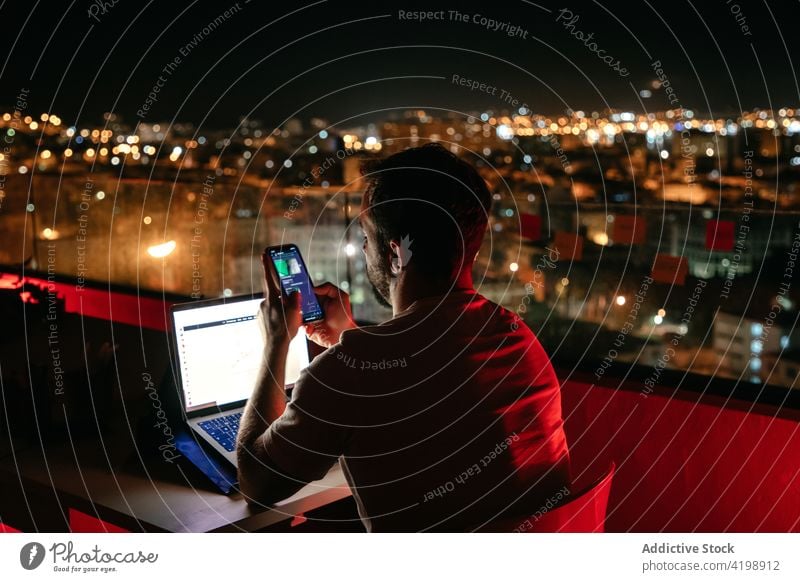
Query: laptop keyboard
point(223, 429)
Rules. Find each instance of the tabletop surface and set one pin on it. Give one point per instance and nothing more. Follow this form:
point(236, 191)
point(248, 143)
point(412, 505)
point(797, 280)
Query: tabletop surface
point(141, 495)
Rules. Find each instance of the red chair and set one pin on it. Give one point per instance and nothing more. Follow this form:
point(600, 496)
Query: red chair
point(581, 512)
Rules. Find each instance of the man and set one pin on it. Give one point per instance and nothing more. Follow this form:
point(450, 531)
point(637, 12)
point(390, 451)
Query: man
point(445, 417)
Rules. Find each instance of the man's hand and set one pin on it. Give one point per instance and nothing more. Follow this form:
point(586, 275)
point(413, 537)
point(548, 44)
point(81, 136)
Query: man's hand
point(280, 314)
point(338, 316)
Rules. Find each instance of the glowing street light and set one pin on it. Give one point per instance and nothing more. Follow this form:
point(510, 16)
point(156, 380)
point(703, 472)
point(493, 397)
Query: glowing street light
point(620, 300)
point(161, 250)
point(601, 239)
point(50, 234)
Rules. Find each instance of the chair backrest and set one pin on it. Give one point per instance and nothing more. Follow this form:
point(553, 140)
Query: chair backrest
point(581, 512)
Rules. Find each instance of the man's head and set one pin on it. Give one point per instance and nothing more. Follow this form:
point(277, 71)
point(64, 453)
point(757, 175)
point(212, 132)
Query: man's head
point(424, 210)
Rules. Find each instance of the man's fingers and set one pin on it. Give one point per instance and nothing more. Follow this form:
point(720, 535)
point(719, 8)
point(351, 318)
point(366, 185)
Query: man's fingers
point(270, 277)
point(294, 300)
point(327, 290)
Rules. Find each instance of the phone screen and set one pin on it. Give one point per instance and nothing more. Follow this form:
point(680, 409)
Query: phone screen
point(292, 274)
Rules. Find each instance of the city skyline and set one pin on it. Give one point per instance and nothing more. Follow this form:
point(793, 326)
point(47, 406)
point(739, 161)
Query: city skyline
point(595, 145)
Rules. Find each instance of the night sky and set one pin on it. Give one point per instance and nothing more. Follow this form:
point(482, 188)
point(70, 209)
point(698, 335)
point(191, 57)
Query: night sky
point(347, 61)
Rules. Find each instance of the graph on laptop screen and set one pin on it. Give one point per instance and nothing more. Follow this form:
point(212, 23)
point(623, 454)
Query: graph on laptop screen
point(220, 349)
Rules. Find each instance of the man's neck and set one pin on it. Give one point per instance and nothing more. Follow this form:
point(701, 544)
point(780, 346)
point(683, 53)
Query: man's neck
point(410, 288)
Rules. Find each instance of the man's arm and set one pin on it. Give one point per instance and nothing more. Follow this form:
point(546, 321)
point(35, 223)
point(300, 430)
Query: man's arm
point(280, 448)
point(260, 480)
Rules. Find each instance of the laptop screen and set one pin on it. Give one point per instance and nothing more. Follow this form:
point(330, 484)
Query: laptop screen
point(220, 348)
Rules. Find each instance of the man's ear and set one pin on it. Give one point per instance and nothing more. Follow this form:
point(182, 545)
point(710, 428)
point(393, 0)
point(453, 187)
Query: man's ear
point(401, 253)
point(395, 261)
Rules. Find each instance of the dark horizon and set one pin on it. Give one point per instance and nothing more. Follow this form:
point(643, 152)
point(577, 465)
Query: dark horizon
point(354, 60)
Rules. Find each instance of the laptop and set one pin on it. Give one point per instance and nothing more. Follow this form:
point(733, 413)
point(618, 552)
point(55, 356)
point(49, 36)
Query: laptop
point(220, 345)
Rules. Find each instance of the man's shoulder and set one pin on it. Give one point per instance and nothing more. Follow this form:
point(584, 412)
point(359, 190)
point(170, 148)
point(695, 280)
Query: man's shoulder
point(506, 320)
point(510, 325)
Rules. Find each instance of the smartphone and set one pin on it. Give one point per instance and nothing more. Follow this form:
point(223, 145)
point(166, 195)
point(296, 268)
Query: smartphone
point(293, 276)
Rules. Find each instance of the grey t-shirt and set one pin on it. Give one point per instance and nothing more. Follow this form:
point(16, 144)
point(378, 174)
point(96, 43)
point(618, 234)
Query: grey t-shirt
point(442, 417)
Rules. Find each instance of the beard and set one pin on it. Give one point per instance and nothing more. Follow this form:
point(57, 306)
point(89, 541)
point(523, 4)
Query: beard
point(380, 281)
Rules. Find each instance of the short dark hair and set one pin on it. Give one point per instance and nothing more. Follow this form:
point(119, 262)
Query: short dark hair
point(434, 197)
